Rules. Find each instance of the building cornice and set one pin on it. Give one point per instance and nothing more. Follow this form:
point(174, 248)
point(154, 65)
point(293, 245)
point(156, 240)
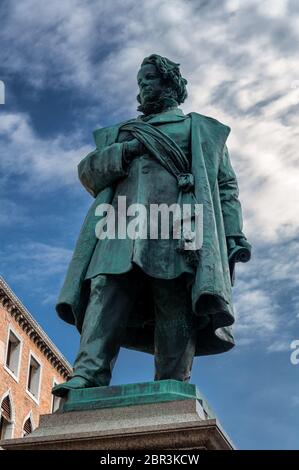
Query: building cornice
point(23, 317)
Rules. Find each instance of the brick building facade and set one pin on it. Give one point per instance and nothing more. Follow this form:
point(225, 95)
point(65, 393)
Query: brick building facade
point(30, 364)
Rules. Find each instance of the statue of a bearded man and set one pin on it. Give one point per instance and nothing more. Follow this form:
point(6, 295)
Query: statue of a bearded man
point(158, 294)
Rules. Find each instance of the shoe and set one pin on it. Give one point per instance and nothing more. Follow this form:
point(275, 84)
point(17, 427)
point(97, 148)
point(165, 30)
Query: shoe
point(61, 390)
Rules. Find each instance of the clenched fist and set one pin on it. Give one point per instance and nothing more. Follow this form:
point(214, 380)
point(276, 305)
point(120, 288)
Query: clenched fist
point(132, 149)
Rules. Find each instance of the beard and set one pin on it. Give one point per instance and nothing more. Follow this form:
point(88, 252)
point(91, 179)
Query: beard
point(158, 102)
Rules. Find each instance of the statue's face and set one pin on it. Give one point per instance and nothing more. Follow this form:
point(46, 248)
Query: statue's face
point(150, 83)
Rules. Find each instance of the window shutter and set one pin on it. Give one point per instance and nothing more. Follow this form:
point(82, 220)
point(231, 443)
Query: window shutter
point(6, 408)
point(27, 427)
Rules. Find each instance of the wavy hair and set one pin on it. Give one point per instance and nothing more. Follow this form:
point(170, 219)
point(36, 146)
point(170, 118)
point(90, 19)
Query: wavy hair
point(175, 91)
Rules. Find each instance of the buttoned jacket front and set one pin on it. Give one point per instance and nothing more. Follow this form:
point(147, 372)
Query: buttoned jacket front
point(146, 183)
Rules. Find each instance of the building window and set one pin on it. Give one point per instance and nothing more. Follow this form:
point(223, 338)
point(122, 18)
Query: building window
point(13, 353)
point(27, 428)
point(34, 377)
point(6, 424)
point(55, 401)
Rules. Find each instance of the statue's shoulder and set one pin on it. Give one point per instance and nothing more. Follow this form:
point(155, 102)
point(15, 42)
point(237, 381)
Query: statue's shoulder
point(107, 135)
point(210, 128)
point(209, 121)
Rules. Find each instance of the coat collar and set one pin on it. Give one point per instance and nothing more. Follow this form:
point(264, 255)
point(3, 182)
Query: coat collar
point(172, 115)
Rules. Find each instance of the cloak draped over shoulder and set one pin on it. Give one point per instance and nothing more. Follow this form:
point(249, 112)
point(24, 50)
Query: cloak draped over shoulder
point(215, 186)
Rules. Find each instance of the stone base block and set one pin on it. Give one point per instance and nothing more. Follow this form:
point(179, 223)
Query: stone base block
point(176, 419)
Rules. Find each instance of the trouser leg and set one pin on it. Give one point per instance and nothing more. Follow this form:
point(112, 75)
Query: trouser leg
point(175, 334)
point(111, 300)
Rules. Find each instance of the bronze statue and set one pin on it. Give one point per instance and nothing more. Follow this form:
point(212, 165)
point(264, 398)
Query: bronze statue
point(155, 294)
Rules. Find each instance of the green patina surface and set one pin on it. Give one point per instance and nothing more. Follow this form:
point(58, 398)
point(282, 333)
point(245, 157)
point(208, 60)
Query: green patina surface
point(160, 157)
point(132, 395)
point(215, 186)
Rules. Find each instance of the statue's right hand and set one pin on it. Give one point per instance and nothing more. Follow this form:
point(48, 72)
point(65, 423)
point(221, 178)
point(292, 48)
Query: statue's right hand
point(134, 148)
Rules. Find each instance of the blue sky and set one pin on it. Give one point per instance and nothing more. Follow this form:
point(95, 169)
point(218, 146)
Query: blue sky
point(70, 67)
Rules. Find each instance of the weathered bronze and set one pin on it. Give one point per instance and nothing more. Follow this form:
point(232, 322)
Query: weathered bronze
point(154, 295)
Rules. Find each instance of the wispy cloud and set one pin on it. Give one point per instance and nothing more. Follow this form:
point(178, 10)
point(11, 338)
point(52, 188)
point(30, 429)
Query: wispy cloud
point(280, 345)
point(258, 317)
point(295, 400)
point(263, 288)
point(241, 62)
point(42, 260)
point(96, 47)
point(12, 214)
point(39, 160)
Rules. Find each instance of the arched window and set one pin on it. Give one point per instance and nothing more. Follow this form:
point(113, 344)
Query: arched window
point(6, 418)
point(27, 428)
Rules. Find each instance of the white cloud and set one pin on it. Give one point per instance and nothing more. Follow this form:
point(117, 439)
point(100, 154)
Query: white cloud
point(279, 346)
point(40, 259)
point(12, 214)
point(39, 160)
point(241, 62)
point(265, 304)
point(256, 313)
point(239, 57)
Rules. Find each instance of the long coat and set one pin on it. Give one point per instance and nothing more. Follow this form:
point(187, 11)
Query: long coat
point(147, 183)
point(217, 189)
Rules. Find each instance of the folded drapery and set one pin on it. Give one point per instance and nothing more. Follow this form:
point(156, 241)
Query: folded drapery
point(170, 155)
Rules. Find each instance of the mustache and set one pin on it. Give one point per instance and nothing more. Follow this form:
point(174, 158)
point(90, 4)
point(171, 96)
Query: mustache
point(146, 88)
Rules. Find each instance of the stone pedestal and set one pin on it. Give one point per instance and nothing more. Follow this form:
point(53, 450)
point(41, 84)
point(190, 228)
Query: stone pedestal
point(159, 416)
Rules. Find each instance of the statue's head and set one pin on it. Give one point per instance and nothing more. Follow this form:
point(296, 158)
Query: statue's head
point(161, 85)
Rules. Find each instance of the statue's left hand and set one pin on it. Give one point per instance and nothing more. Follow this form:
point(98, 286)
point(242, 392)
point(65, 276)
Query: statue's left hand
point(239, 249)
point(233, 242)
